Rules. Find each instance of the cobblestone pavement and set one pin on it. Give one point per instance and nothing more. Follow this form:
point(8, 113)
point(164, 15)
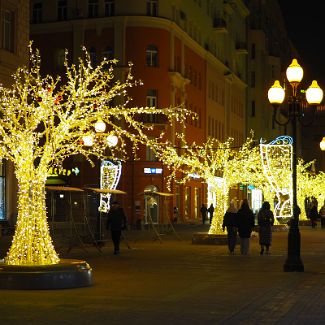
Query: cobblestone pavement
point(175, 282)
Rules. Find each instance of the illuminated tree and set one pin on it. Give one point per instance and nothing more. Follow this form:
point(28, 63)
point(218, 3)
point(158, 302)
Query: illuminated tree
point(219, 165)
point(44, 120)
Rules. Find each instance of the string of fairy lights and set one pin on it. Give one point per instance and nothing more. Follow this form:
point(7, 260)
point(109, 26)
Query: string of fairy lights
point(229, 166)
point(44, 120)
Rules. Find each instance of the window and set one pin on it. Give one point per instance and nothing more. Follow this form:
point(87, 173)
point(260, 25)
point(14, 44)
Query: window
point(187, 202)
point(151, 101)
point(8, 33)
point(93, 57)
point(152, 8)
point(253, 48)
point(150, 154)
point(92, 8)
point(108, 53)
point(59, 59)
point(37, 13)
point(152, 56)
point(253, 109)
point(152, 98)
point(109, 8)
point(62, 10)
point(253, 79)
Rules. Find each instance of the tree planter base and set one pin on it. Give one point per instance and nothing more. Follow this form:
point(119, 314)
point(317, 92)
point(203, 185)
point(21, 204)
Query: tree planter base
point(203, 238)
point(66, 274)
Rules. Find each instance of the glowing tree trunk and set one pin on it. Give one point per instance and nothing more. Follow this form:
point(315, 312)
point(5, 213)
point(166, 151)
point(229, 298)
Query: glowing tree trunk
point(32, 244)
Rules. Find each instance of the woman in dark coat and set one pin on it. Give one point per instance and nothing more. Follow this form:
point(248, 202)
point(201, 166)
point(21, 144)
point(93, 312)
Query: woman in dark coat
point(265, 219)
point(246, 222)
point(229, 222)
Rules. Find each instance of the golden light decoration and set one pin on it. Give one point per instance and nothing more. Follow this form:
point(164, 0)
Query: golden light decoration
point(214, 160)
point(44, 120)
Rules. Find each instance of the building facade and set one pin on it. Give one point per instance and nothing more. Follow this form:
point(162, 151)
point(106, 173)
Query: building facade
point(185, 52)
point(14, 39)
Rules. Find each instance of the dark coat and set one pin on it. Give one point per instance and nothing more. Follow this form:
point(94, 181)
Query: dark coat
point(245, 221)
point(229, 219)
point(265, 219)
point(116, 219)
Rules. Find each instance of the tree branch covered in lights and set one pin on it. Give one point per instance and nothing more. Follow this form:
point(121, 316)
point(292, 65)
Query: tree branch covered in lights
point(219, 165)
point(222, 166)
point(44, 120)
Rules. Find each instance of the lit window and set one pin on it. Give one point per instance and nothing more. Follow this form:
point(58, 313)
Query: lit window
point(152, 56)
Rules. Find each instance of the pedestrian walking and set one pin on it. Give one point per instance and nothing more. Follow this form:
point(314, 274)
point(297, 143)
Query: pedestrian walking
point(246, 222)
point(265, 219)
point(230, 223)
point(175, 215)
point(204, 212)
point(322, 216)
point(211, 211)
point(116, 222)
point(313, 216)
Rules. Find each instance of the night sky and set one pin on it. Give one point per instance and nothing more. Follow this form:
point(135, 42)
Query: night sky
point(305, 22)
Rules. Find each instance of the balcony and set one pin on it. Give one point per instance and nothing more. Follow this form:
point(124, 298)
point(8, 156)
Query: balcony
point(241, 48)
point(220, 25)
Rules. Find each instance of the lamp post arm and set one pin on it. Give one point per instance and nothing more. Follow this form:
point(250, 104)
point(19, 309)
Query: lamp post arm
point(275, 109)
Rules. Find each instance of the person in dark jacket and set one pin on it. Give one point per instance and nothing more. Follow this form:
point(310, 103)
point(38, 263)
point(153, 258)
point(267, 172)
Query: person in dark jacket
point(204, 212)
point(265, 219)
point(116, 222)
point(246, 222)
point(313, 216)
point(211, 211)
point(230, 223)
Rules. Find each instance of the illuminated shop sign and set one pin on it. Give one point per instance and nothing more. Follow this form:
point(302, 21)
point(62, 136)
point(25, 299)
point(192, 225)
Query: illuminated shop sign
point(148, 170)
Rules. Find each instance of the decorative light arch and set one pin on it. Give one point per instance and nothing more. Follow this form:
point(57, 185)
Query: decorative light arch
point(276, 158)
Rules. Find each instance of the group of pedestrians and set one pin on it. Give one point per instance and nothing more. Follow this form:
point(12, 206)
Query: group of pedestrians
point(204, 213)
point(242, 222)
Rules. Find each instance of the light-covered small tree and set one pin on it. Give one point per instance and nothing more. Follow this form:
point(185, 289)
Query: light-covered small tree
point(44, 120)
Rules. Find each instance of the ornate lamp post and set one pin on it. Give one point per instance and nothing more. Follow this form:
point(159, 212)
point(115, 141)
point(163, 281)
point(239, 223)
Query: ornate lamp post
point(276, 95)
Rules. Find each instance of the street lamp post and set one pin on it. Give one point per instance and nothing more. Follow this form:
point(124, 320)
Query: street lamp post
point(276, 95)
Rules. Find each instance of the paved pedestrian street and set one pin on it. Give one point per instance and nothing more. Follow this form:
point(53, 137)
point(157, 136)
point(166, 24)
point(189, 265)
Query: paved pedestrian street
point(177, 282)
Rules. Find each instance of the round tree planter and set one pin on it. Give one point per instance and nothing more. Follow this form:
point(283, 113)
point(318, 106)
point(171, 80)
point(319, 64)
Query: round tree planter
point(68, 273)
